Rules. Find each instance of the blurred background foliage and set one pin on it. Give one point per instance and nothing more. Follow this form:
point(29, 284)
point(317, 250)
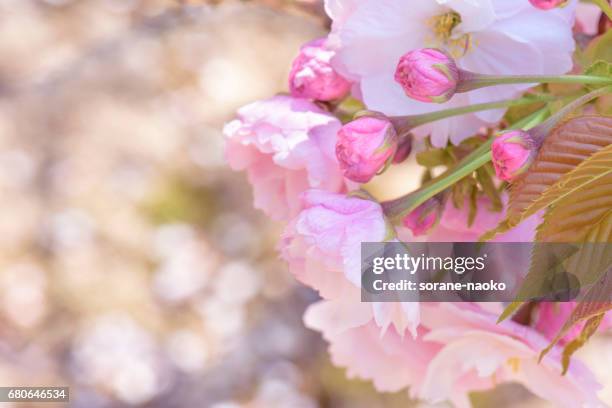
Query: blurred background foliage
point(132, 266)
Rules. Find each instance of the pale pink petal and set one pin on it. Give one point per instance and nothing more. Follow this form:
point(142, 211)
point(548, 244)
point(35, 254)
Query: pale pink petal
point(285, 145)
point(587, 16)
point(334, 317)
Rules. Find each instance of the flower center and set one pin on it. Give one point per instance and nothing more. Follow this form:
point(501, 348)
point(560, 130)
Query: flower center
point(514, 363)
point(444, 24)
point(442, 27)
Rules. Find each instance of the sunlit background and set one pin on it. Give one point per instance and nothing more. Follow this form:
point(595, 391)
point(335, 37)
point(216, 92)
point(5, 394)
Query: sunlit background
point(132, 266)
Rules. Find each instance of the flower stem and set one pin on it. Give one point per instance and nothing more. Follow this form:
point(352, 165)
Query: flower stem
point(541, 131)
point(400, 207)
point(405, 123)
point(532, 120)
point(470, 81)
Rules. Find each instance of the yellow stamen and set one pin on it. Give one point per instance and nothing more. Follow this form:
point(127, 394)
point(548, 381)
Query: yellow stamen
point(442, 27)
point(514, 363)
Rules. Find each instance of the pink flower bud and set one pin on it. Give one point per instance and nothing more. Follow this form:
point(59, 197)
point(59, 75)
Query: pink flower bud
point(547, 4)
point(312, 75)
point(513, 152)
point(424, 217)
point(403, 149)
point(427, 75)
point(365, 147)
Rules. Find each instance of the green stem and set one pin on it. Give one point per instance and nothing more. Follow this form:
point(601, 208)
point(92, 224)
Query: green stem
point(400, 207)
point(605, 7)
point(542, 130)
point(470, 81)
point(405, 123)
point(397, 209)
point(532, 120)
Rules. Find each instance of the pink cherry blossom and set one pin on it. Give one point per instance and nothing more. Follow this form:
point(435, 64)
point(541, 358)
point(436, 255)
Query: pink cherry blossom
point(322, 241)
point(490, 37)
point(323, 249)
point(391, 361)
point(548, 4)
point(458, 348)
point(286, 145)
point(512, 152)
point(587, 18)
point(312, 75)
point(423, 218)
point(365, 146)
point(481, 353)
point(427, 75)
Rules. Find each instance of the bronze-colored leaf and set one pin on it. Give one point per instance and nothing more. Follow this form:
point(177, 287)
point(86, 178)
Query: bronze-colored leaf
point(587, 259)
point(578, 200)
point(563, 150)
point(590, 327)
point(589, 306)
point(581, 213)
point(593, 256)
point(547, 276)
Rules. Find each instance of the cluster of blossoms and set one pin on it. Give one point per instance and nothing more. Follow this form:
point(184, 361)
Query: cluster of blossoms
point(306, 168)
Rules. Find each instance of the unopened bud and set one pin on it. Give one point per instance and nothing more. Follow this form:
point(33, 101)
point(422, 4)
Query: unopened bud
point(513, 152)
point(427, 75)
point(424, 217)
point(312, 75)
point(548, 4)
point(365, 147)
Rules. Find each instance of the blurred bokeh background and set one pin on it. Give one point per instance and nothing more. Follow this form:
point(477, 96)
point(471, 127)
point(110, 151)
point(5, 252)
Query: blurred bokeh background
point(132, 266)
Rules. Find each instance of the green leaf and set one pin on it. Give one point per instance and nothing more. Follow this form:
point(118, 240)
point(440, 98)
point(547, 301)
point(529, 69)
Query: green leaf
point(461, 191)
point(599, 68)
point(426, 176)
point(348, 108)
point(433, 158)
point(516, 113)
point(509, 310)
point(484, 177)
point(563, 150)
point(473, 206)
point(600, 48)
point(558, 104)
